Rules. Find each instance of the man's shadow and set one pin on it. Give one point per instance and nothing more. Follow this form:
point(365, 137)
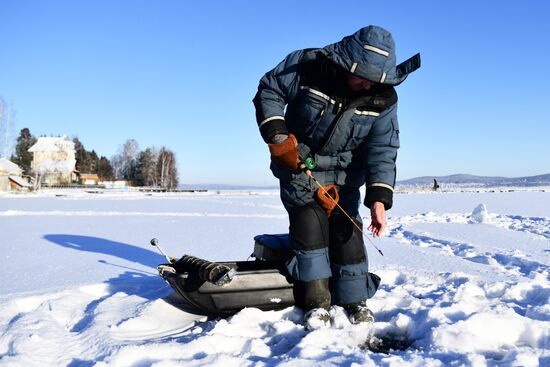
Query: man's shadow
point(121, 250)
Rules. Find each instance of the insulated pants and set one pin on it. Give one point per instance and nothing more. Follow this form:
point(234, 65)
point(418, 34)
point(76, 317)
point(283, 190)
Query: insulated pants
point(328, 247)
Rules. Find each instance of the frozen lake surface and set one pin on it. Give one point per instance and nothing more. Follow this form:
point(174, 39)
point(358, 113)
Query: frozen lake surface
point(462, 283)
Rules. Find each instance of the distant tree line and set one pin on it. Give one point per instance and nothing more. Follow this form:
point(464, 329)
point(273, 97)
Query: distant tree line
point(150, 167)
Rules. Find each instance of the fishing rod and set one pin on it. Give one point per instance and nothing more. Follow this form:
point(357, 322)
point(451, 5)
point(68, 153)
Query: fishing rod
point(308, 165)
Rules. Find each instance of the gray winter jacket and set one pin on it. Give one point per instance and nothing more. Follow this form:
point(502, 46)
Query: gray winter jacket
point(354, 137)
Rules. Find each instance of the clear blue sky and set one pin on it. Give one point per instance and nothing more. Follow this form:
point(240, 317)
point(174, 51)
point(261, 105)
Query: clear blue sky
point(183, 73)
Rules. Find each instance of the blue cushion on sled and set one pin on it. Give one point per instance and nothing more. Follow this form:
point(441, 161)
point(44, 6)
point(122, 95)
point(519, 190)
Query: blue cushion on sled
point(275, 241)
point(274, 247)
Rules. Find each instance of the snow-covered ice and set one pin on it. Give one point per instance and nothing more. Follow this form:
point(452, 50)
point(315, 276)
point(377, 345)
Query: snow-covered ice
point(465, 281)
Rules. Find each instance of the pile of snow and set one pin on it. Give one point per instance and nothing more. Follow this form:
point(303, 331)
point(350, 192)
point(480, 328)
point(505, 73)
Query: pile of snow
point(79, 285)
point(480, 215)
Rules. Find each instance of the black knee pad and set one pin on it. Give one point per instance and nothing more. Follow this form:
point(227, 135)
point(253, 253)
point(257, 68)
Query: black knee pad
point(309, 227)
point(346, 244)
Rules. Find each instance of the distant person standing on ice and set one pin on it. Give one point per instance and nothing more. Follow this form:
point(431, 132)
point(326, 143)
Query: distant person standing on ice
point(341, 111)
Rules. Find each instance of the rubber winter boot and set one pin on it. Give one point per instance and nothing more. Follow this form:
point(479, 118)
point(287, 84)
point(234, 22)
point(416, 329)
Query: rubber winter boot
point(317, 318)
point(317, 303)
point(359, 313)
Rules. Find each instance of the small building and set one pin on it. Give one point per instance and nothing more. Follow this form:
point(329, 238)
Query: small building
point(10, 176)
point(88, 179)
point(53, 160)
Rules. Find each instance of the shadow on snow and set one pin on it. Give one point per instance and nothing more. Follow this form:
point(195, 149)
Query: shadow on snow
point(147, 285)
point(121, 250)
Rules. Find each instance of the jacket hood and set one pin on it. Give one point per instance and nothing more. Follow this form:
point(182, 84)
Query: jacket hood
point(369, 53)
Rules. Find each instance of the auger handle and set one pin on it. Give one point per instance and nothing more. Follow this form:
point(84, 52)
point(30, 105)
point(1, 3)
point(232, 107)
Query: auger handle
point(155, 243)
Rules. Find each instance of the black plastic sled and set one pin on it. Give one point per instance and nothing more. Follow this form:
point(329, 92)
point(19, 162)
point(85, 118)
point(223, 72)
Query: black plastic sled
point(222, 288)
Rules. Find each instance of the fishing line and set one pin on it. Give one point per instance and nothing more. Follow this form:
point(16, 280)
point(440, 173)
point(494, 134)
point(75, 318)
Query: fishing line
point(309, 164)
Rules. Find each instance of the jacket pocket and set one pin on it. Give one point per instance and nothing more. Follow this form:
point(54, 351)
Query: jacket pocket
point(394, 139)
point(305, 112)
point(360, 129)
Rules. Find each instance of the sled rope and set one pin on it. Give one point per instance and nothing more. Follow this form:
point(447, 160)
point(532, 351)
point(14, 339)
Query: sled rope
point(325, 192)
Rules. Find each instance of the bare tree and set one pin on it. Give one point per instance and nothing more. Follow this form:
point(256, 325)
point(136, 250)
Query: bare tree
point(167, 170)
point(7, 123)
point(125, 162)
point(116, 164)
point(173, 173)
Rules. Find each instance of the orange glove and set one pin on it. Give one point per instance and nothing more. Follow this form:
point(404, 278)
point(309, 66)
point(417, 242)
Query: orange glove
point(325, 201)
point(286, 153)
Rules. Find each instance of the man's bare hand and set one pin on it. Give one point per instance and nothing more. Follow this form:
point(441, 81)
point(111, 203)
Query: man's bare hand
point(378, 218)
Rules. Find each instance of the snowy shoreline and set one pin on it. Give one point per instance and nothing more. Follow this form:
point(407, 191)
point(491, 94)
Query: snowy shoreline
point(137, 192)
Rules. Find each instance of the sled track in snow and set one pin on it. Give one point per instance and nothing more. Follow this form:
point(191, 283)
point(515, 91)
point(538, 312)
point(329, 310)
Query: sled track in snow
point(510, 261)
point(538, 226)
point(505, 260)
